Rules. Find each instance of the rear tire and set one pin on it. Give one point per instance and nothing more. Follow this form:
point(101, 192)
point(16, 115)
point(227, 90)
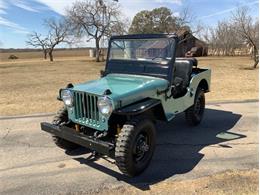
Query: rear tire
point(135, 146)
point(194, 114)
point(61, 118)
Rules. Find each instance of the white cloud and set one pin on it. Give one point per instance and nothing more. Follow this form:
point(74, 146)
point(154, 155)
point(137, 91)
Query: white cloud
point(177, 14)
point(24, 5)
point(129, 7)
point(3, 6)
point(227, 10)
point(2, 11)
point(18, 3)
point(58, 6)
point(9, 24)
point(178, 2)
point(12, 25)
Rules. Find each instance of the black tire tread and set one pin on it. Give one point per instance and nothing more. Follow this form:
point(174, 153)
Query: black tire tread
point(189, 113)
point(123, 148)
point(61, 118)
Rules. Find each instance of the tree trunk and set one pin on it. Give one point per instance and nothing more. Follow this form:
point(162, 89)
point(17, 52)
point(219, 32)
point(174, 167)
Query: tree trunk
point(256, 57)
point(97, 50)
point(51, 56)
point(256, 63)
point(45, 54)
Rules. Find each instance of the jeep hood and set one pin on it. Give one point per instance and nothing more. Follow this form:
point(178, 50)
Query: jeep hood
point(124, 87)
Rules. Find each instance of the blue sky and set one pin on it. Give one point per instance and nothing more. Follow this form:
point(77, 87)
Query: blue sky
point(20, 17)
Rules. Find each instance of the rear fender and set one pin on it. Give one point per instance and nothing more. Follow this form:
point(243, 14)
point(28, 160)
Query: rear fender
point(174, 106)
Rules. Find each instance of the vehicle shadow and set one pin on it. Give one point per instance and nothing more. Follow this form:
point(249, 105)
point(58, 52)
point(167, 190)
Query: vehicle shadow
point(178, 147)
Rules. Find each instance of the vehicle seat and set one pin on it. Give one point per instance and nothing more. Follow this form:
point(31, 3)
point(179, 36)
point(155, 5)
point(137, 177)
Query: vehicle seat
point(194, 61)
point(181, 75)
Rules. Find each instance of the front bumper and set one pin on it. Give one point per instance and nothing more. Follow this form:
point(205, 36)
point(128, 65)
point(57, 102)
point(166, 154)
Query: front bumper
point(71, 135)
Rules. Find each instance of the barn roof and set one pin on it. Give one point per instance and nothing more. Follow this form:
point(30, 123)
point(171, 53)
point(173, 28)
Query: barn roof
point(185, 34)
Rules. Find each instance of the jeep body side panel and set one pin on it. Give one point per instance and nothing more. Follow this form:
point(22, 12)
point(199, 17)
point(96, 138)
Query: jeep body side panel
point(173, 106)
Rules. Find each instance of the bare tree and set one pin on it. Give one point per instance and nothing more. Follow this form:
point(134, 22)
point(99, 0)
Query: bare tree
point(96, 19)
point(186, 17)
point(222, 39)
point(248, 30)
point(36, 41)
point(58, 33)
point(226, 39)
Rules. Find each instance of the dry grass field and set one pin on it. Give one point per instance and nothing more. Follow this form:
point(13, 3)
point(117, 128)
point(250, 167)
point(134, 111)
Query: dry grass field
point(36, 54)
point(231, 182)
point(232, 78)
point(30, 85)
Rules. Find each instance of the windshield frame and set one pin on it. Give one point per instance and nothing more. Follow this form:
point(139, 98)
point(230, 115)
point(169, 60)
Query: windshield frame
point(131, 62)
point(154, 56)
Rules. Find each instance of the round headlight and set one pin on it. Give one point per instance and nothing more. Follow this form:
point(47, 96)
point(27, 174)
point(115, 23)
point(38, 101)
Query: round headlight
point(67, 97)
point(105, 106)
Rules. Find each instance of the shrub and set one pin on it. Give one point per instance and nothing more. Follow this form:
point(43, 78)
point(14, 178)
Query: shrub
point(12, 57)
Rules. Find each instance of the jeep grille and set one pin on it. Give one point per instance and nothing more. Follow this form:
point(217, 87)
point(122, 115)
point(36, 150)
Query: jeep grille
point(86, 110)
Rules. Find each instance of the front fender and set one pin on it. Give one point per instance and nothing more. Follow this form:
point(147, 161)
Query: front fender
point(138, 107)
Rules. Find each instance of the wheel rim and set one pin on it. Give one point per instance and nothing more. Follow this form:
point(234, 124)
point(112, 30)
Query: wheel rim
point(141, 147)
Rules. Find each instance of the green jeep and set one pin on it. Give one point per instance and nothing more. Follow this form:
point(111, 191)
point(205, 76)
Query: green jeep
point(143, 82)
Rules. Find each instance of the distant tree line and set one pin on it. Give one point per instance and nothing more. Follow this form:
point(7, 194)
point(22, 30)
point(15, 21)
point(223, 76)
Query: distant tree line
point(240, 31)
point(98, 20)
point(230, 35)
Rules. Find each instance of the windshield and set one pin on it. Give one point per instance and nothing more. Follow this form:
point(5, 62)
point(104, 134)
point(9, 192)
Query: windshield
point(152, 50)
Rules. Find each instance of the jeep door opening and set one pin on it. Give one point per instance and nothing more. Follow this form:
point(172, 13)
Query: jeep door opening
point(115, 115)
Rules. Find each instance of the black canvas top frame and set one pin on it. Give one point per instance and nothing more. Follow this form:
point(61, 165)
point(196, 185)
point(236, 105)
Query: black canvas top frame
point(148, 68)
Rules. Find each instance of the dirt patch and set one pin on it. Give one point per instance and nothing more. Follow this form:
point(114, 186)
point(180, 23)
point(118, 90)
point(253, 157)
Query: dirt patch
point(231, 182)
point(30, 86)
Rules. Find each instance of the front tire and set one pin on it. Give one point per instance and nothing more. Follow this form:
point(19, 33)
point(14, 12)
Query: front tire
point(61, 118)
point(135, 146)
point(194, 114)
